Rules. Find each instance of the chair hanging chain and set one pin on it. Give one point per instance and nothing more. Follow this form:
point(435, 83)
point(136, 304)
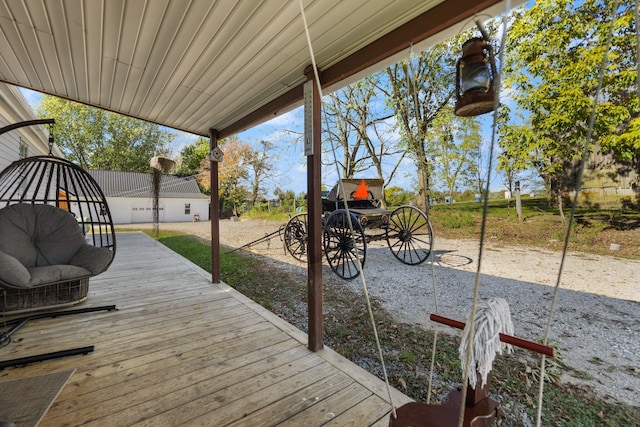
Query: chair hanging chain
point(4, 339)
point(51, 139)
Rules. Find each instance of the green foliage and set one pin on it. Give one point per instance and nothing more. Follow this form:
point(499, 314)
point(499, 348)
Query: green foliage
point(241, 175)
point(287, 206)
point(454, 149)
point(192, 156)
point(396, 196)
point(555, 51)
point(233, 173)
point(97, 139)
point(285, 197)
point(260, 166)
point(418, 89)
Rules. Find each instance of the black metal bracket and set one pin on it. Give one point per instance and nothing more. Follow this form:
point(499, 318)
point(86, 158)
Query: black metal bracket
point(27, 123)
point(16, 324)
point(45, 356)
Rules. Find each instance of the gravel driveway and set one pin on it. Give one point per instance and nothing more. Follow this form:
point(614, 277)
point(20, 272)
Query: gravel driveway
point(596, 324)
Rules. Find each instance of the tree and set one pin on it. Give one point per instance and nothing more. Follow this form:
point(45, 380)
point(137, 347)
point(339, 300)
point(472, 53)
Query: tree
point(260, 169)
point(349, 119)
point(355, 124)
point(339, 136)
point(286, 198)
point(192, 156)
point(479, 171)
point(418, 89)
point(455, 147)
point(232, 174)
point(556, 49)
point(98, 139)
point(397, 196)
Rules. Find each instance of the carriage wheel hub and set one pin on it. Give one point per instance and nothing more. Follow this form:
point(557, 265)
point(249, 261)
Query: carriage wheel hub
point(404, 235)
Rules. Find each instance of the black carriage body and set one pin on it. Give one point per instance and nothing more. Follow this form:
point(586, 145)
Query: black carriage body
point(362, 197)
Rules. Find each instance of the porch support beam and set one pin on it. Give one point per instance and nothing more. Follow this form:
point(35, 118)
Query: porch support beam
point(314, 210)
point(214, 210)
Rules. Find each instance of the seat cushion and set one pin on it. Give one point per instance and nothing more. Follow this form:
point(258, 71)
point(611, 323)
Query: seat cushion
point(56, 273)
point(39, 235)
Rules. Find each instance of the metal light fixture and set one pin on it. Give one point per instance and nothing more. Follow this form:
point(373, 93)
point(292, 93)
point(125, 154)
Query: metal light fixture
point(475, 78)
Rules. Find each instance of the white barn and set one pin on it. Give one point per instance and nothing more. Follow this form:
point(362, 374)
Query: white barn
point(129, 195)
point(21, 142)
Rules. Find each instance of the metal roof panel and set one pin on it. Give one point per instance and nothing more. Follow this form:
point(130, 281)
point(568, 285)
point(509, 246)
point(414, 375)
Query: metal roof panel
point(200, 64)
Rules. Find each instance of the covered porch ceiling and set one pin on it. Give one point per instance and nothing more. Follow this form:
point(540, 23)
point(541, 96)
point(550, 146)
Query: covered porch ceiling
point(195, 65)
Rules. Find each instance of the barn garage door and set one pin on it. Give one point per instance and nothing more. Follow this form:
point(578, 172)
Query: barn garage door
point(144, 213)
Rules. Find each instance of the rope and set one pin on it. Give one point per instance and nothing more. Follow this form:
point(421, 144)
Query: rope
point(485, 209)
point(348, 213)
point(585, 155)
point(423, 173)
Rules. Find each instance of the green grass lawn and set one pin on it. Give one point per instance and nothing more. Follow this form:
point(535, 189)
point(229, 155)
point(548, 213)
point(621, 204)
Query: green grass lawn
point(593, 231)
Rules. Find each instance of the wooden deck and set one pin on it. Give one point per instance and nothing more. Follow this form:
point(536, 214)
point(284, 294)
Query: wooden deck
point(182, 351)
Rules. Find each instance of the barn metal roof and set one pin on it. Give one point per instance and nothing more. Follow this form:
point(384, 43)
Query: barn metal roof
point(139, 185)
point(200, 64)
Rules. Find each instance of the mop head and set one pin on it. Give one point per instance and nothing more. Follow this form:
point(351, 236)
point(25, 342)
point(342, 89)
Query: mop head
point(492, 318)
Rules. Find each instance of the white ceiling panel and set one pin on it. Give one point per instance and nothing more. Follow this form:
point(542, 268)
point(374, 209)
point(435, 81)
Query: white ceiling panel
point(200, 64)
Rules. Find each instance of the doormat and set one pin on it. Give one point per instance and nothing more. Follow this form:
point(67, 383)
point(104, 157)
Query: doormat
point(25, 401)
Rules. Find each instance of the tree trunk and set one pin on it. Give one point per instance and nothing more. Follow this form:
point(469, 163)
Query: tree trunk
point(560, 209)
point(518, 201)
point(423, 185)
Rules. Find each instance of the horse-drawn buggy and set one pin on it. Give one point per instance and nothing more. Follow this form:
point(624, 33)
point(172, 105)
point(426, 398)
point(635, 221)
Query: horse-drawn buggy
point(352, 217)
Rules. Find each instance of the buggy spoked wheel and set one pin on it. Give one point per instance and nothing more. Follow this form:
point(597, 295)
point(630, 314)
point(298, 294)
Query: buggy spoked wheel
point(409, 235)
point(296, 235)
point(342, 247)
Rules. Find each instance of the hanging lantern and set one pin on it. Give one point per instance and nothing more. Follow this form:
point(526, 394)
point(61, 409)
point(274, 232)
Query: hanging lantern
point(475, 79)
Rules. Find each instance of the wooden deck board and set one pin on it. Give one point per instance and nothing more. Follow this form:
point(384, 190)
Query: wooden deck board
point(182, 351)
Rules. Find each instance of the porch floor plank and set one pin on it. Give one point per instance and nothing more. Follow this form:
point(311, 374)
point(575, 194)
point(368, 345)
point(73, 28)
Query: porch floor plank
point(182, 351)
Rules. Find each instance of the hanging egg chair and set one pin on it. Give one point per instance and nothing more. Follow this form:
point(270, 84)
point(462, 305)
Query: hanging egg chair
point(56, 223)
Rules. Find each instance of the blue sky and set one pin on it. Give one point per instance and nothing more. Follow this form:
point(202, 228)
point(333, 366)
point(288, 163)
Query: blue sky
point(285, 132)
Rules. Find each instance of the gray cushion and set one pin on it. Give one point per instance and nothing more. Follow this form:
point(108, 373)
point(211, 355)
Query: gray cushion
point(11, 271)
point(15, 236)
point(56, 273)
point(39, 235)
point(42, 244)
point(96, 260)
